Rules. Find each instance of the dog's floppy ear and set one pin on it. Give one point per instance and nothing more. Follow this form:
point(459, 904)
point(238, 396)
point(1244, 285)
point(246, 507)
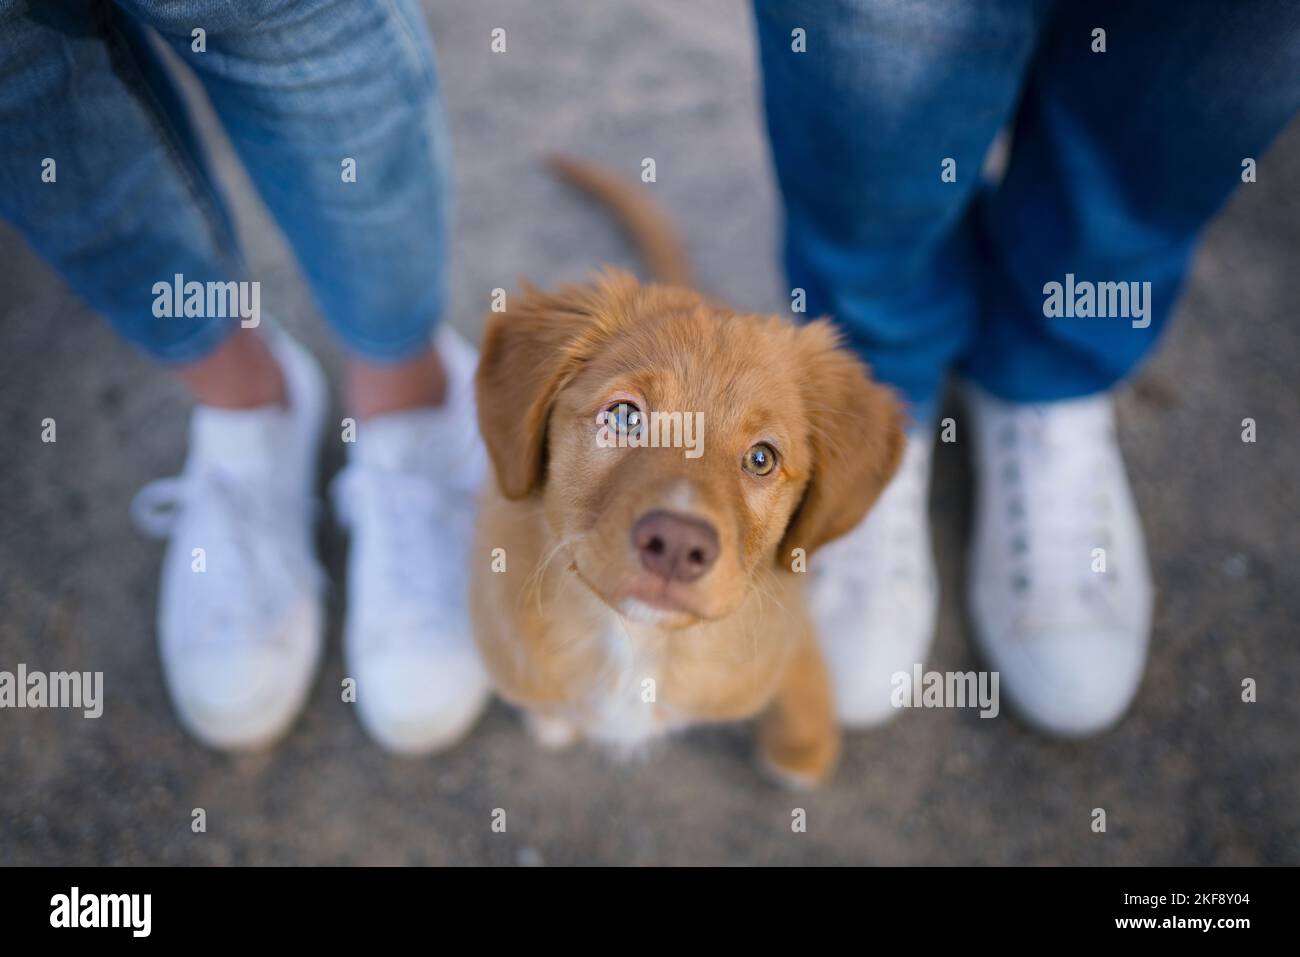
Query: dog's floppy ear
point(856, 431)
point(529, 352)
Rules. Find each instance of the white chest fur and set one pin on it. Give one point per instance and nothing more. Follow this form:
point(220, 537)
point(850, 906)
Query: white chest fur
point(624, 708)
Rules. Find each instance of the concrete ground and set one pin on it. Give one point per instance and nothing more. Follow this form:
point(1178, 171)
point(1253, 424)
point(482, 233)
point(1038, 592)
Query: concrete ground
point(1194, 775)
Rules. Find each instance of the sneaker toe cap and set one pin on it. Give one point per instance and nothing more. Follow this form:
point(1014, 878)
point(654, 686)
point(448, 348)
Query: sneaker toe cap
point(1072, 685)
point(234, 701)
point(240, 693)
point(420, 702)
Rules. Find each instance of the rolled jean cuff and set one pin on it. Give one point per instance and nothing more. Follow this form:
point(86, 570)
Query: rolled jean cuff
point(389, 351)
point(919, 417)
point(202, 338)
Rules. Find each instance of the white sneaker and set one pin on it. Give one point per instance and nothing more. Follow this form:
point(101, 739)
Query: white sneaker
point(408, 496)
point(1069, 639)
point(240, 622)
point(874, 594)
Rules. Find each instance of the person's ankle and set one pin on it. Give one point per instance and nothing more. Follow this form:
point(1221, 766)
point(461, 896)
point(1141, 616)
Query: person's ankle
point(241, 373)
point(377, 389)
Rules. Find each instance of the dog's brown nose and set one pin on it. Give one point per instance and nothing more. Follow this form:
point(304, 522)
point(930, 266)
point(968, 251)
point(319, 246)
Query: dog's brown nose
point(674, 547)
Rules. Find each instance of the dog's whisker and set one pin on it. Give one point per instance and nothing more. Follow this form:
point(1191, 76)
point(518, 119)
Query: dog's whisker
point(535, 579)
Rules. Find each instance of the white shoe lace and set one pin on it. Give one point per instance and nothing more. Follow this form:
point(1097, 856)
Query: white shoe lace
point(240, 596)
point(1043, 461)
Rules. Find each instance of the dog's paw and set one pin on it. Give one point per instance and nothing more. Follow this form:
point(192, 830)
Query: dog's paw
point(552, 733)
point(801, 765)
point(801, 776)
point(788, 778)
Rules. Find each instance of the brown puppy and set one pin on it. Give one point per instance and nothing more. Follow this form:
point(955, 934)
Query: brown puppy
point(624, 587)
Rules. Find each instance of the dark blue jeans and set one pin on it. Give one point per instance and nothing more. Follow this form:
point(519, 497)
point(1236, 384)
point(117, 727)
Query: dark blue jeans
point(301, 87)
point(1118, 158)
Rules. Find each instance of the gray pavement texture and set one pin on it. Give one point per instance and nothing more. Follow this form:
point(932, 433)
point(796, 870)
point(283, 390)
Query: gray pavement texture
point(1194, 775)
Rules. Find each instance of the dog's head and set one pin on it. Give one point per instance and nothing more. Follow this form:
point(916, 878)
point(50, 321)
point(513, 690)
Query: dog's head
point(679, 450)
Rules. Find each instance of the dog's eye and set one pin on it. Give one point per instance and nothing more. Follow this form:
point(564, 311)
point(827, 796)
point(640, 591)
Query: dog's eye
point(624, 418)
point(760, 459)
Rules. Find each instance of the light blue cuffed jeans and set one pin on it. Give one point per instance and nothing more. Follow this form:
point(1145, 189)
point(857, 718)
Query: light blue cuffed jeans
point(300, 87)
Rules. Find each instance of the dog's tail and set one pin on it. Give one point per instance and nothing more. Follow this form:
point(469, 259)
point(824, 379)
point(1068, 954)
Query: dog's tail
point(650, 229)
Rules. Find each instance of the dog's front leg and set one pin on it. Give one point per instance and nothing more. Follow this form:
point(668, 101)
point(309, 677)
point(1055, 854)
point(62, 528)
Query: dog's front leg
point(798, 738)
